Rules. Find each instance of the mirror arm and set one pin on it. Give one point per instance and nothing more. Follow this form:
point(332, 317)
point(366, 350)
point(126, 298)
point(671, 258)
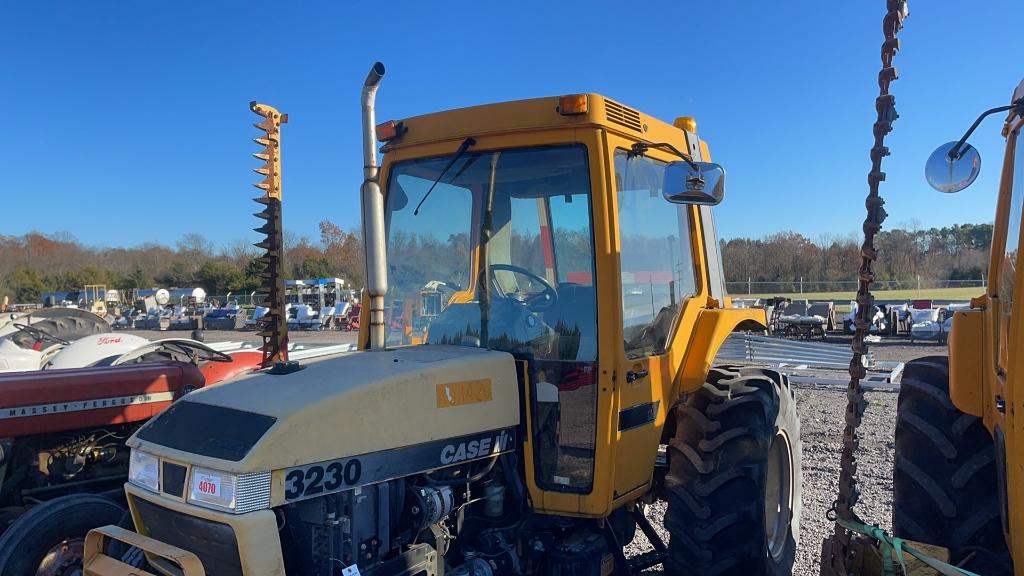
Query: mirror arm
point(639, 148)
point(1018, 105)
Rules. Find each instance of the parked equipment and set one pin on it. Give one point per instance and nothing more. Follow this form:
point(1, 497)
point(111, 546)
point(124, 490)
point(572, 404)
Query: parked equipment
point(62, 454)
point(516, 440)
point(807, 320)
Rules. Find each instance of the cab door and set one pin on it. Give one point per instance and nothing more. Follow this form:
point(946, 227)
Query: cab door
point(1006, 323)
point(657, 285)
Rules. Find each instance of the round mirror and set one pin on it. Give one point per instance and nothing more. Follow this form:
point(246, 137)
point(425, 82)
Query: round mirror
point(946, 175)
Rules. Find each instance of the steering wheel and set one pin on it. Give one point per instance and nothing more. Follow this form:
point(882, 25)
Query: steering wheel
point(198, 354)
point(39, 334)
point(543, 300)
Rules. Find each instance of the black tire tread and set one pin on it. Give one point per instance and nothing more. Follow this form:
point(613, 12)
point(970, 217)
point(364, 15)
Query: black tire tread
point(717, 463)
point(22, 545)
point(944, 480)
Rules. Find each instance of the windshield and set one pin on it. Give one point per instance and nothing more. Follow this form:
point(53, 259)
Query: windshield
point(531, 287)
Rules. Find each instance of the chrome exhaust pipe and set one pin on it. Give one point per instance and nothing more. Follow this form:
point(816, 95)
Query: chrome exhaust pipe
point(373, 213)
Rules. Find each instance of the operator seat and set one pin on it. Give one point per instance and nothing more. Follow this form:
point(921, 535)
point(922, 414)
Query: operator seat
point(574, 320)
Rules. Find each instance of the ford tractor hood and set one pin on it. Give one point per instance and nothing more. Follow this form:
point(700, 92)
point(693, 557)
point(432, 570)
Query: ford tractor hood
point(352, 404)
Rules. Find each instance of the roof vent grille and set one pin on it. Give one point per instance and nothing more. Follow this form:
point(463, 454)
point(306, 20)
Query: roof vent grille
point(622, 115)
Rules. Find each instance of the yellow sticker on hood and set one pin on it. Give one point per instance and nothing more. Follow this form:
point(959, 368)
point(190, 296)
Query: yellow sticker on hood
point(462, 393)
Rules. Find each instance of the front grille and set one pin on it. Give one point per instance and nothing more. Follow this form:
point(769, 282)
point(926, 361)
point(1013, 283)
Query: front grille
point(173, 479)
point(212, 542)
point(620, 114)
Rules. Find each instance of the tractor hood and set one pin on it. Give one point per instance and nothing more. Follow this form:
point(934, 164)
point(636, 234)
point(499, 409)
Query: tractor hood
point(351, 404)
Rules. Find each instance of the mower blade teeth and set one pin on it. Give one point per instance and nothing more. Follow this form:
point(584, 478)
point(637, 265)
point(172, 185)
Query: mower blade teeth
point(273, 325)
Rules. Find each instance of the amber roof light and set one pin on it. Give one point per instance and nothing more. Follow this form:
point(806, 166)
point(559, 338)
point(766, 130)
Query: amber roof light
point(572, 104)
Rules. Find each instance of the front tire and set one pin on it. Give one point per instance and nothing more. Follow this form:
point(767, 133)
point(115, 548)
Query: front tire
point(49, 537)
point(734, 481)
point(945, 483)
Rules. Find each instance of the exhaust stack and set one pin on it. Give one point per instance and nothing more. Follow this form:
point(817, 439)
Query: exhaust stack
point(373, 212)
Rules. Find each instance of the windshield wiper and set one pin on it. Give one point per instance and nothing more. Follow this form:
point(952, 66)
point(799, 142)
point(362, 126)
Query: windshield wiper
point(458, 154)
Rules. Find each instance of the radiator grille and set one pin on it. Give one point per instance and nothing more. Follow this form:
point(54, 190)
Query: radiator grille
point(622, 115)
point(173, 479)
point(212, 542)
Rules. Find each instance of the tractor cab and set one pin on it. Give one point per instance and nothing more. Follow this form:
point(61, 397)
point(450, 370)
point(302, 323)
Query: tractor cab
point(576, 246)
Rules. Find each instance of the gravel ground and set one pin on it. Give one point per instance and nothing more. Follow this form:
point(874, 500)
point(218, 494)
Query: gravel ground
point(821, 411)
point(821, 425)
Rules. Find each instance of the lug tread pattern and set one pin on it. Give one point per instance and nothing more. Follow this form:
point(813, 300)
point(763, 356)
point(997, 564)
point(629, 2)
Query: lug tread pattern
point(944, 480)
point(716, 479)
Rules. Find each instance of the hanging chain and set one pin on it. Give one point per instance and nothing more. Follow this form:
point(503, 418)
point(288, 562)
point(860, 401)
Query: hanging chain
point(836, 549)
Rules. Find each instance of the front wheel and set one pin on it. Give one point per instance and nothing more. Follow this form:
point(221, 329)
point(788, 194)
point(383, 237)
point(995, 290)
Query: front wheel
point(50, 537)
point(734, 481)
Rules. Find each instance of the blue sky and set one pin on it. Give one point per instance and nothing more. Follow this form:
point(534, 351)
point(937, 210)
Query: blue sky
point(127, 122)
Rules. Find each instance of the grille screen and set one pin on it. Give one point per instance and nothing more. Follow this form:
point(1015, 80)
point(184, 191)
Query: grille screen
point(174, 479)
point(252, 492)
point(214, 543)
point(620, 114)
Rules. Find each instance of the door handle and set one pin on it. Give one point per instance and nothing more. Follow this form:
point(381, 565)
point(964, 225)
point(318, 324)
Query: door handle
point(634, 375)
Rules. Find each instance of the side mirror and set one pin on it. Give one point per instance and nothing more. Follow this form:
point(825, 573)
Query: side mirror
point(701, 183)
point(949, 175)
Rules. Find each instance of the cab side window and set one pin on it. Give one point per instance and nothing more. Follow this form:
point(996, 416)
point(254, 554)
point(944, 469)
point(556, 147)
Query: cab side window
point(1008, 269)
point(656, 260)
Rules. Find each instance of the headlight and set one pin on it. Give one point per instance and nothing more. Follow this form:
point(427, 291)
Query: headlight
point(239, 493)
point(144, 470)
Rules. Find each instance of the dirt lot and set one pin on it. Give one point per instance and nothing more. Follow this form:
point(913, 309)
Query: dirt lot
point(821, 412)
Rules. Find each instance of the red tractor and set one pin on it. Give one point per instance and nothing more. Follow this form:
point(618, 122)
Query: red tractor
point(63, 462)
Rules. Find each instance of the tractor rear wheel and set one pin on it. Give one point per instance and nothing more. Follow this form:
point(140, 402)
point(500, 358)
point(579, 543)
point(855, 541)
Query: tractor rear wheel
point(945, 482)
point(734, 483)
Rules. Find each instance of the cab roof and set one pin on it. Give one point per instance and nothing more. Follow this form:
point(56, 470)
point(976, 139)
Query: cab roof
point(532, 115)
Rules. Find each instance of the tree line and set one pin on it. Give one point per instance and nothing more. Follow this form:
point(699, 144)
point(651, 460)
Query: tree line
point(958, 252)
point(36, 263)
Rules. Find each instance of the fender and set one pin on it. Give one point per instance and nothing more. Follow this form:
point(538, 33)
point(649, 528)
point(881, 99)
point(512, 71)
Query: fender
point(712, 327)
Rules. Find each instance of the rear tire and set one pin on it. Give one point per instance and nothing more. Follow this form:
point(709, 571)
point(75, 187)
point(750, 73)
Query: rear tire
point(734, 482)
point(945, 483)
point(46, 526)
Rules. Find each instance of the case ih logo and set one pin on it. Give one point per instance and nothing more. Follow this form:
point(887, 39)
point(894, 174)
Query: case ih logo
point(475, 448)
point(109, 340)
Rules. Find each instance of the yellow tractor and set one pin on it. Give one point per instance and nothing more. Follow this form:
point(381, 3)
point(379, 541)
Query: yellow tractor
point(958, 466)
point(565, 383)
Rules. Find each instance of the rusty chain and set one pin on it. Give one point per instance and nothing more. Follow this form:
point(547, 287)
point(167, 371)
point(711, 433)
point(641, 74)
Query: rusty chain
point(836, 550)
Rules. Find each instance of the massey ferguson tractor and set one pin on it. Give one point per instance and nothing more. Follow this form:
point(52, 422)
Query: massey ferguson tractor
point(521, 435)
